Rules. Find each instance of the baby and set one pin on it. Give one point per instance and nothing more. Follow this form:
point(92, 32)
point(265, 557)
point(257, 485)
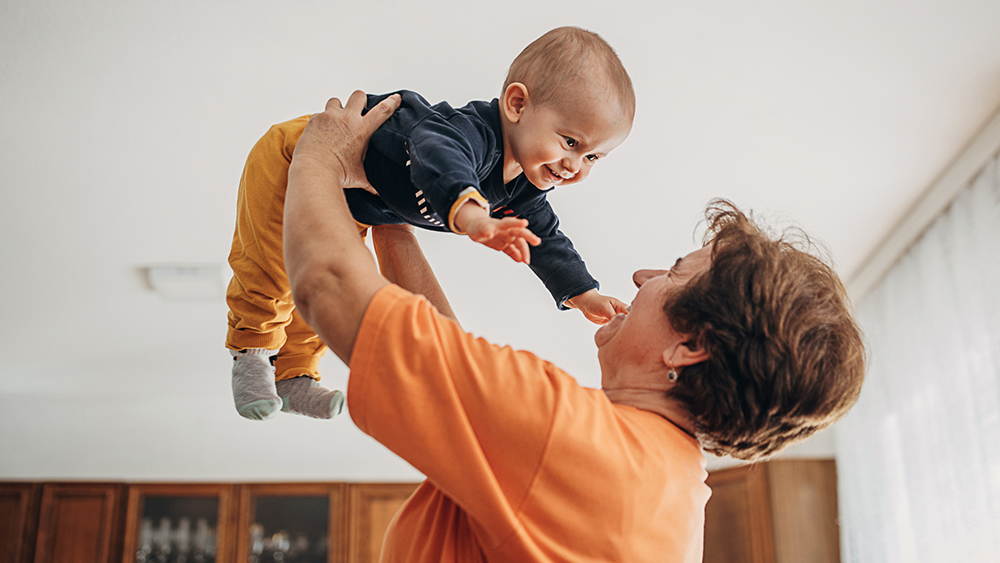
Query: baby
point(482, 170)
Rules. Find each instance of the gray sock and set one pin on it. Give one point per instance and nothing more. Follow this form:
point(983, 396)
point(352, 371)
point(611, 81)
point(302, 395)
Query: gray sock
point(253, 383)
point(303, 395)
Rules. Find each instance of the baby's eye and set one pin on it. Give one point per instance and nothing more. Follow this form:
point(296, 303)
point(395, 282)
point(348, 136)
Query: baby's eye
point(570, 142)
point(592, 157)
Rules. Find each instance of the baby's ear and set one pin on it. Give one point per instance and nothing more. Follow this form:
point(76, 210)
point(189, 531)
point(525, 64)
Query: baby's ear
point(515, 99)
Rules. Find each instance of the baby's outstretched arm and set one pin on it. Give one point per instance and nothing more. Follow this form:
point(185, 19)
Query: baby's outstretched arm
point(598, 309)
point(509, 235)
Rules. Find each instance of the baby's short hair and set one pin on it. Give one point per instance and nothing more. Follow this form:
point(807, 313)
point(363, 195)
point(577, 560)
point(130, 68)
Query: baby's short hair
point(552, 61)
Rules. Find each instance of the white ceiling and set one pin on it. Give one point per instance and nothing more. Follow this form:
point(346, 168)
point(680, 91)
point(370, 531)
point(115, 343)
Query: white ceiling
point(125, 126)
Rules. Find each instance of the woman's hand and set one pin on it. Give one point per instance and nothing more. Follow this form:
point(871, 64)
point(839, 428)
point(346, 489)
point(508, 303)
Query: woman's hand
point(338, 138)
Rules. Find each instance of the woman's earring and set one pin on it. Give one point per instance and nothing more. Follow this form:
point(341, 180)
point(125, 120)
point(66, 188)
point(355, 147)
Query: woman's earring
point(672, 375)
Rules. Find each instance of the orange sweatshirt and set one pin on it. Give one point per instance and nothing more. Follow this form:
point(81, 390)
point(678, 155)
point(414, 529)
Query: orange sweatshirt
point(522, 463)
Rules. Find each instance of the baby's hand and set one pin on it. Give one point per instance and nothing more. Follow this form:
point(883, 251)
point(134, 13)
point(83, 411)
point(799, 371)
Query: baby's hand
point(509, 235)
point(598, 309)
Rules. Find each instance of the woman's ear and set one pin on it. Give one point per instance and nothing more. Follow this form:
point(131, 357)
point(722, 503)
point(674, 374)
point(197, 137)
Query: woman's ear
point(687, 353)
point(515, 99)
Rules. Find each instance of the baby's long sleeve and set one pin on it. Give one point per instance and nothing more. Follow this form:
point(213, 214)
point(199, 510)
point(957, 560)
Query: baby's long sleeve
point(555, 261)
point(425, 161)
point(446, 153)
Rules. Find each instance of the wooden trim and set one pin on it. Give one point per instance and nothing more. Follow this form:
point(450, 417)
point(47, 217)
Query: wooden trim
point(224, 528)
point(339, 524)
point(133, 514)
point(928, 207)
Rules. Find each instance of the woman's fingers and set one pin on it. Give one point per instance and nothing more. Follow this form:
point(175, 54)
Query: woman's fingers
point(333, 103)
point(378, 114)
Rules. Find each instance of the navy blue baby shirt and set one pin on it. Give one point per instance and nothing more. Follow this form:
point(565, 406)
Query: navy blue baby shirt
point(424, 156)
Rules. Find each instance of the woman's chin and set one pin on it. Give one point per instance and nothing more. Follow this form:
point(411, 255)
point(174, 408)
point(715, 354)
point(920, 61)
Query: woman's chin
point(606, 332)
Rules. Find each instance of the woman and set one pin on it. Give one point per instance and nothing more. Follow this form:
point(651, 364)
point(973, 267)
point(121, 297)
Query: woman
point(741, 348)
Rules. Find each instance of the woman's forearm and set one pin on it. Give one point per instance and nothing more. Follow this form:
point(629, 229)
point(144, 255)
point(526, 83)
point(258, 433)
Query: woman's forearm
point(331, 273)
point(402, 262)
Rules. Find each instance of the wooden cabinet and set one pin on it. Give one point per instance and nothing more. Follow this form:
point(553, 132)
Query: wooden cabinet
point(372, 507)
point(306, 522)
point(79, 523)
point(773, 512)
point(197, 521)
point(18, 521)
point(737, 518)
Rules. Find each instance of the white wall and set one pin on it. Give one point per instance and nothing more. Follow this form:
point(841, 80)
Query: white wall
point(126, 124)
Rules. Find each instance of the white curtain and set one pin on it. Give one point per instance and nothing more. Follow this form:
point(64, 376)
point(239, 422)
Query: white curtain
point(918, 458)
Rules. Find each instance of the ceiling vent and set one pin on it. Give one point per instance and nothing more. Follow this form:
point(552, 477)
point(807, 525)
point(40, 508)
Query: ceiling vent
point(187, 280)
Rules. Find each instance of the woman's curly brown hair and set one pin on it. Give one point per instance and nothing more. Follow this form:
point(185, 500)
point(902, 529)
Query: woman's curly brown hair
point(786, 357)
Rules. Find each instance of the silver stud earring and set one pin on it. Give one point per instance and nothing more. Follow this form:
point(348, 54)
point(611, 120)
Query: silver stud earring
point(672, 375)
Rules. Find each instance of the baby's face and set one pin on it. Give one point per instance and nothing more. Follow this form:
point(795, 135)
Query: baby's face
point(558, 143)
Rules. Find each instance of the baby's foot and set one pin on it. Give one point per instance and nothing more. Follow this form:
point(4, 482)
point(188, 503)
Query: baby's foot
point(303, 395)
point(253, 383)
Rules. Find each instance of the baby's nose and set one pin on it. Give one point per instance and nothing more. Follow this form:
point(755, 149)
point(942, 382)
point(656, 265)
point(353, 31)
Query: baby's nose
point(570, 168)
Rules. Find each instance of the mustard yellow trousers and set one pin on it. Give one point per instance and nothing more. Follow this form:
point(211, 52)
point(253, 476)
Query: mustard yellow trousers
point(261, 311)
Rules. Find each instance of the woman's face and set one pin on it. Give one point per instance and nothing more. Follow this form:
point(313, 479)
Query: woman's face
point(640, 337)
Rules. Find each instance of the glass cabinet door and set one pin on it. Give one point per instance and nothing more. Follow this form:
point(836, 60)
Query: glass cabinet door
point(292, 523)
point(179, 524)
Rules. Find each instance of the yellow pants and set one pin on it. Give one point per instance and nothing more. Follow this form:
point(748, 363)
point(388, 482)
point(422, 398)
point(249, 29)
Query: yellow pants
point(261, 311)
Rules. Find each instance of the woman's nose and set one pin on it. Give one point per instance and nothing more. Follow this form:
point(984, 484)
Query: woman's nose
point(642, 276)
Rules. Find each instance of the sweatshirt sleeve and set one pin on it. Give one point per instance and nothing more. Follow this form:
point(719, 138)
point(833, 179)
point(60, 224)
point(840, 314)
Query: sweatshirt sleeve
point(555, 261)
point(447, 157)
point(474, 417)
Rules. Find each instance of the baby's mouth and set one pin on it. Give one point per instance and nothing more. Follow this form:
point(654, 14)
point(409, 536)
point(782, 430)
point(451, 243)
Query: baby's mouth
point(553, 176)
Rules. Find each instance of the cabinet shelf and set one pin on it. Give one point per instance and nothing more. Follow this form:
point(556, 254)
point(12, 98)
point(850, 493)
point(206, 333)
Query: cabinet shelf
point(179, 523)
point(292, 523)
